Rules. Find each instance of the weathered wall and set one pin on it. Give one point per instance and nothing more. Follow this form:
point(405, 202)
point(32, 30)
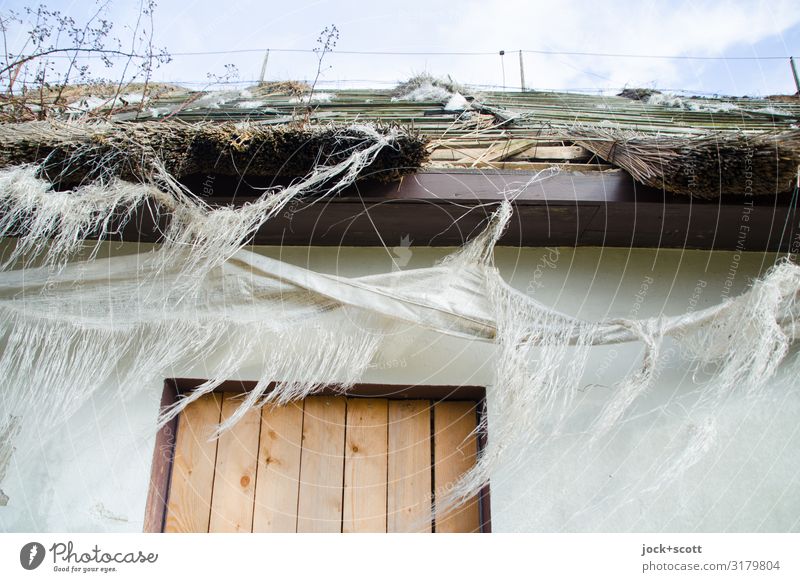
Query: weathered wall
point(93, 475)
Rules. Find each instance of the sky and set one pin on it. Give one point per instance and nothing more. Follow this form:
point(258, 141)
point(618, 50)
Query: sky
point(725, 31)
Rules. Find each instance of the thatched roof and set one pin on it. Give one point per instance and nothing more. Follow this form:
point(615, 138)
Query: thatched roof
point(689, 145)
point(76, 152)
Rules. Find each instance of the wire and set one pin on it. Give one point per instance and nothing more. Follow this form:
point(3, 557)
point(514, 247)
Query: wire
point(465, 53)
point(334, 83)
point(633, 56)
point(493, 53)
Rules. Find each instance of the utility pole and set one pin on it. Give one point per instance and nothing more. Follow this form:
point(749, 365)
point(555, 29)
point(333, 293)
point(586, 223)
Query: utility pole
point(264, 68)
point(794, 73)
point(521, 72)
point(503, 67)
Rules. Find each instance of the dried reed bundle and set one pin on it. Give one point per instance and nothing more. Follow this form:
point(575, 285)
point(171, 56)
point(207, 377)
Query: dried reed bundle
point(75, 153)
point(53, 221)
point(701, 166)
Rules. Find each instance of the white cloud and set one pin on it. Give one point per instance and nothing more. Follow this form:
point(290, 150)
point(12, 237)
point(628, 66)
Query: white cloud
point(614, 26)
point(698, 27)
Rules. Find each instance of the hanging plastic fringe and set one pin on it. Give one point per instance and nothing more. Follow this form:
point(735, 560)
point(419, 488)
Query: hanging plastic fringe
point(542, 356)
point(70, 333)
point(54, 224)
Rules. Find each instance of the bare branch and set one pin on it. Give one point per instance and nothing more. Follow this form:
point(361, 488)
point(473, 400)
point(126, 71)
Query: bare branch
point(28, 58)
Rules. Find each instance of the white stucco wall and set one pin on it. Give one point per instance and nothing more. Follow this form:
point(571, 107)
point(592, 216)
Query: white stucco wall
point(93, 475)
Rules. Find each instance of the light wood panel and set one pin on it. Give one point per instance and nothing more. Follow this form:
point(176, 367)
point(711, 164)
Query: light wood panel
point(189, 505)
point(365, 465)
point(409, 467)
point(278, 478)
point(455, 450)
point(322, 465)
point(235, 477)
point(328, 464)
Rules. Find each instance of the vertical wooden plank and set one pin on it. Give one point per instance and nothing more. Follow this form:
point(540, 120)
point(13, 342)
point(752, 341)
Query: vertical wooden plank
point(322, 465)
point(189, 506)
point(278, 478)
point(235, 476)
point(455, 451)
point(365, 458)
point(409, 466)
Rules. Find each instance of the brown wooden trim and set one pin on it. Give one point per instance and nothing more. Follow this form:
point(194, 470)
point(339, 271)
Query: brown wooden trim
point(447, 208)
point(161, 471)
point(164, 450)
point(395, 391)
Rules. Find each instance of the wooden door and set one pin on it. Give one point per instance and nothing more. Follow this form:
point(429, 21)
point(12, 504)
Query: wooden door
point(327, 464)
